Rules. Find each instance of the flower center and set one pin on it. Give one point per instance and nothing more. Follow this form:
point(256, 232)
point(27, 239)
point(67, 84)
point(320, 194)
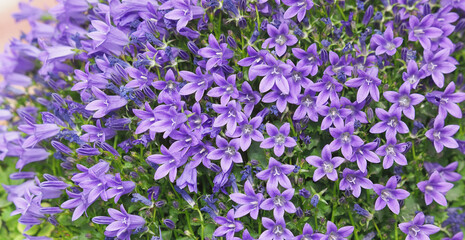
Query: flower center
point(437, 135)
point(171, 85)
point(412, 79)
point(404, 101)
point(431, 66)
point(390, 150)
point(279, 201)
point(229, 89)
point(414, 230)
point(247, 129)
point(276, 71)
point(345, 137)
point(418, 32)
point(328, 167)
point(296, 76)
point(390, 46)
point(333, 236)
point(333, 112)
point(386, 195)
point(276, 171)
point(429, 188)
point(230, 150)
point(350, 178)
point(393, 122)
point(307, 101)
point(279, 139)
point(278, 230)
point(281, 39)
point(231, 113)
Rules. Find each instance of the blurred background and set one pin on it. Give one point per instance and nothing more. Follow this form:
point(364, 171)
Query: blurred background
point(8, 27)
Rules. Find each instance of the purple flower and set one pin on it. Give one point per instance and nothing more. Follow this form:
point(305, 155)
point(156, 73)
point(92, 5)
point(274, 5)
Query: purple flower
point(184, 11)
point(333, 233)
point(441, 135)
point(78, 202)
point(447, 173)
point(390, 123)
point(197, 83)
point(168, 121)
point(230, 115)
point(435, 188)
point(392, 152)
point(279, 139)
point(344, 139)
point(417, 230)
point(248, 131)
point(297, 78)
point(297, 7)
point(249, 202)
point(307, 106)
point(275, 230)
point(148, 117)
point(227, 152)
point(276, 173)
point(105, 104)
point(326, 164)
point(168, 87)
point(334, 114)
point(226, 88)
point(228, 227)
point(279, 202)
point(404, 100)
point(447, 101)
point(249, 97)
point(363, 154)
point(328, 88)
point(97, 133)
point(37, 132)
point(437, 64)
point(121, 224)
point(107, 38)
point(280, 98)
point(354, 180)
point(217, 54)
point(458, 236)
point(413, 75)
point(119, 187)
point(367, 82)
point(423, 30)
point(307, 234)
point(386, 43)
point(309, 58)
point(274, 72)
point(279, 38)
point(170, 161)
point(339, 65)
point(388, 195)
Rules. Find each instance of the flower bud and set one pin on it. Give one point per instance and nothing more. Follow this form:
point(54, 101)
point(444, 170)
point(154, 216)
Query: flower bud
point(169, 223)
point(368, 15)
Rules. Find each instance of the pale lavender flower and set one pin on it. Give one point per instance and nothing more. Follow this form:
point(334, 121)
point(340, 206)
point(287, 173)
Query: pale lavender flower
point(37, 133)
point(107, 38)
point(279, 202)
point(332, 232)
point(392, 152)
point(435, 188)
point(354, 181)
point(307, 106)
point(413, 75)
point(280, 98)
point(274, 72)
point(227, 152)
point(363, 154)
point(249, 97)
point(307, 234)
point(96, 133)
point(308, 58)
point(390, 123)
point(328, 88)
point(279, 139)
point(276, 174)
point(437, 64)
point(170, 162)
point(417, 229)
point(279, 38)
point(423, 30)
point(447, 101)
point(217, 54)
point(183, 11)
point(404, 100)
point(333, 115)
point(367, 82)
point(229, 226)
point(104, 103)
point(275, 230)
point(447, 173)
point(441, 135)
point(248, 131)
point(197, 82)
point(386, 43)
point(249, 202)
point(389, 195)
point(344, 139)
point(230, 115)
point(121, 224)
point(226, 88)
point(297, 7)
point(326, 164)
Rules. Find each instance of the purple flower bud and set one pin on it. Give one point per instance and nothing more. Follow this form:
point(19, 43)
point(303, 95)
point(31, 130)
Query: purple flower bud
point(368, 15)
point(192, 47)
point(59, 99)
point(426, 9)
point(61, 147)
point(128, 158)
point(370, 114)
point(175, 204)
point(232, 43)
point(67, 165)
point(169, 223)
point(50, 210)
point(184, 55)
point(86, 150)
point(378, 16)
point(153, 193)
point(222, 39)
point(52, 220)
point(22, 175)
point(254, 162)
point(160, 204)
point(263, 25)
point(242, 23)
point(460, 25)
point(304, 193)
point(324, 56)
point(314, 200)
point(215, 168)
point(299, 212)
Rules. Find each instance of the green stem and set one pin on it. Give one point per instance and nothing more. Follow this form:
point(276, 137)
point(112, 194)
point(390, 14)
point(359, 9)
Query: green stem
point(377, 230)
point(333, 214)
point(202, 226)
point(353, 224)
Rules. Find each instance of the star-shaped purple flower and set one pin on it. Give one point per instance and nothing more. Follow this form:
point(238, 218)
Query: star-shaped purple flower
point(326, 164)
point(274, 72)
point(297, 7)
point(328, 88)
point(279, 38)
point(248, 131)
point(413, 75)
point(227, 152)
point(367, 82)
point(363, 154)
point(249, 202)
point(228, 227)
point(389, 195)
point(392, 152)
point(344, 139)
point(198, 83)
point(447, 101)
point(183, 11)
point(217, 54)
point(441, 135)
point(435, 188)
point(390, 123)
point(308, 58)
point(121, 223)
point(307, 106)
point(423, 30)
point(276, 174)
point(354, 181)
point(279, 139)
point(275, 230)
point(170, 161)
point(404, 100)
point(437, 64)
point(386, 43)
point(332, 232)
point(417, 229)
point(230, 115)
point(104, 104)
point(279, 202)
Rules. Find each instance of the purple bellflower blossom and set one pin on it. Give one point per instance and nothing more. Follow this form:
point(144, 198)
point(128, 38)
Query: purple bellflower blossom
point(356, 110)
point(279, 38)
point(168, 121)
point(392, 152)
point(107, 38)
point(169, 87)
point(389, 195)
point(104, 103)
point(217, 54)
point(297, 7)
point(417, 229)
point(227, 152)
point(328, 88)
point(326, 164)
point(249, 202)
point(279, 202)
point(276, 174)
point(38, 132)
point(197, 82)
point(226, 88)
point(447, 173)
point(332, 232)
point(344, 139)
point(390, 123)
point(297, 78)
point(441, 135)
point(307, 234)
point(307, 106)
point(413, 76)
point(274, 72)
point(280, 98)
point(363, 154)
point(148, 117)
point(230, 115)
point(121, 224)
point(367, 82)
point(447, 101)
point(423, 30)
point(169, 161)
point(458, 236)
point(435, 188)
point(333, 115)
point(437, 64)
point(275, 230)
point(339, 65)
point(309, 58)
point(386, 43)
point(279, 139)
point(248, 131)
point(229, 226)
point(96, 133)
point(354, 180)
point(183, 11)
point(78, 201)
point(249, 97)
point(404, 100)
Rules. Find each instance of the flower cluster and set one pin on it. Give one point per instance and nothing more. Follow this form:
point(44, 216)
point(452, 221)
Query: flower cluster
point(236, 119)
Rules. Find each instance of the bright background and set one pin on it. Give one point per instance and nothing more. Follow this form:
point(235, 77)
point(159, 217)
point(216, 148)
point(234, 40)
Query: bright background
point(8, 27)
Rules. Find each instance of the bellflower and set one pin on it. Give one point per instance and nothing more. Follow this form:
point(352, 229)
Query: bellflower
point(107, 38)
point(169, 161)
point(307, 106)
point(333, 115)
point(390, 123)
point(386, 43)
point(332, 232)
point(183, 11)
point(363, 154)
point(226, 88)
point(97, 133)
point(217, 54)
point(389, 195)
point(338, 65)
point(249, 97)
point(276, 174)
point(392, 152)
point(308, 58)
point(328, 88)
point(437, 64)
point(38, 132)
point(423, 30)
point(279, 202)
point(279, 139)
point(274, 72)
point(354, 180)
point(404, 100)
point(297, 78)
point(148, 117)
point(280, 98)
point(367, 82)
point(168, 121)
point(228, 227)
point(458, 236)
point(275, 230)
point(249, 202)
point(326, 164)
point(230, 114)
point(104, 103)
point(417, 229)
point(279, 38)
point(435, 188)
point(344, 139)
point(227, 152)
point(121, 224)
point(169, 87)
point(447, 173)
point(441, 135)
point(297, 7)
point(248, 131)
point(413, 76)
point(307, 233)
point(197, 82)
point(447, 101)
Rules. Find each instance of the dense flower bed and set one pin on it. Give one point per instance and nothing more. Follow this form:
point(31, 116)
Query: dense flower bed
point(235, 119)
